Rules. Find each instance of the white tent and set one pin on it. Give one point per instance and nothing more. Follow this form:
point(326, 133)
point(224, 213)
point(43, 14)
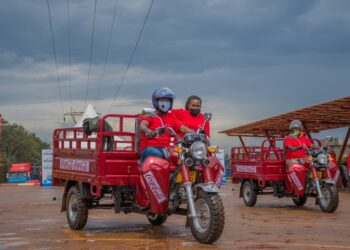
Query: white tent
point(91, 113)
point(88, 113)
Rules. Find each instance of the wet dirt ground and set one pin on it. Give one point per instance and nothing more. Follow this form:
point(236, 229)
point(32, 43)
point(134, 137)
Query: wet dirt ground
point(30, 219)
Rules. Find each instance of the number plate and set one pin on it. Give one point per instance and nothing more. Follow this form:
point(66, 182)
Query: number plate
point(319, 175)
point(179, 177)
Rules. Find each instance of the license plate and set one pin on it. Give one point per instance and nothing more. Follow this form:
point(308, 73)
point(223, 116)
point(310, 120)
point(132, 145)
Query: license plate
point(319, 175)
point(192, 176)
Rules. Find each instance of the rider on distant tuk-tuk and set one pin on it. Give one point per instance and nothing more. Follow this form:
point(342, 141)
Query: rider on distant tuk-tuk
point(296, 144)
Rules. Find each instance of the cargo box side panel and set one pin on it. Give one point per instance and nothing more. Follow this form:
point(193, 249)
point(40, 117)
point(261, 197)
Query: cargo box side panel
point(80, 166)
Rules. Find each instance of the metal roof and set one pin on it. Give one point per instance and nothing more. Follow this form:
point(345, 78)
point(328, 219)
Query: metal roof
point(328, 115)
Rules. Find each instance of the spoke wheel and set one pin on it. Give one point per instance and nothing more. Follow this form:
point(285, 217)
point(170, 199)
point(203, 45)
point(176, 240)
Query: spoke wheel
point(207, 227)
point(330, 201)
point(249, 194)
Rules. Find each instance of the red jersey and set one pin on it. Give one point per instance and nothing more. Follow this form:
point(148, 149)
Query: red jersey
point(191, 121)
point(296, 141)
point(348, 162)
point(163, 120)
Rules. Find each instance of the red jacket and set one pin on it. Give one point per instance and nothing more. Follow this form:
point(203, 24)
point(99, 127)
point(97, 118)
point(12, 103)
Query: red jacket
point(190, 121)
point(169, 120)
point(348, 158)
point(296, 141)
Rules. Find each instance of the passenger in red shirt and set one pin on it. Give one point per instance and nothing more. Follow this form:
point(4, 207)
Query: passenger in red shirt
point(191, 116)
point(296, 144)
point(154, 140)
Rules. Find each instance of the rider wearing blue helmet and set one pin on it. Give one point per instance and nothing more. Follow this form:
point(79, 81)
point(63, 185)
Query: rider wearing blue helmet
point(156, 144)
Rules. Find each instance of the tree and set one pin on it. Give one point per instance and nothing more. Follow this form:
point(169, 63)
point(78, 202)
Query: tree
point(19, 145)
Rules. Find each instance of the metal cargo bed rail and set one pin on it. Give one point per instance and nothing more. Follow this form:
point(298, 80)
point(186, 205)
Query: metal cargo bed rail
point(270, 150)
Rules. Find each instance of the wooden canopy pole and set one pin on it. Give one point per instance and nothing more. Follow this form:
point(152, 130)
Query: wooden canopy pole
point(242, 142)
point(243, 145)
point(340, 156)
point(307, 131)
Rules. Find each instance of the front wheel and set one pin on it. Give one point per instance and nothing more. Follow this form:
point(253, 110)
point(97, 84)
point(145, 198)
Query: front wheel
point(77, 211)
point(157, 219)
point(249, 194)
point(329, 202)
point(299, 200)
point(210, 221)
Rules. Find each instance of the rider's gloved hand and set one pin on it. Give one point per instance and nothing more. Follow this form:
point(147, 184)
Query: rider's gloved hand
point(150, 134)
point(161, 131)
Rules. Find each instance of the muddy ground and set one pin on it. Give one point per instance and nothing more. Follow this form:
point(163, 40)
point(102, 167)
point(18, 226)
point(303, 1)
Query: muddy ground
point(30, 219)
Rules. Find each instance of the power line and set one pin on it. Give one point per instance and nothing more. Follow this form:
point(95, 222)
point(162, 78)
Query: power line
point(132, 56)
point(54, 53)
point(108, 49)
point(69, 56)
point(91, 46)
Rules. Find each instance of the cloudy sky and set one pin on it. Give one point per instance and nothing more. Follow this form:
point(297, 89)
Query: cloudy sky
point(247, 59)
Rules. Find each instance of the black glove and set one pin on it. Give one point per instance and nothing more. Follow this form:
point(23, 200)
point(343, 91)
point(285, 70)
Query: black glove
point(161, 131)
point(150, 134)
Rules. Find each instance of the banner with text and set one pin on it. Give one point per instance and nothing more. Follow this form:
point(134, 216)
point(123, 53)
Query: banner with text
point(46, 167)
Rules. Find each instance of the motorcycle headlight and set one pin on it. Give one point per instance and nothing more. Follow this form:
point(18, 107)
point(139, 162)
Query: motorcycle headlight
point(322, 159)
point(198, 150)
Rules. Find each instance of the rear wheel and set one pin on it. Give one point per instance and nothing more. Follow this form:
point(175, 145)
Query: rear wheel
point(76, 210)
point(329, 202)
point(249, 194)
point(299, 200)
point(210, 221)
point(157, 219)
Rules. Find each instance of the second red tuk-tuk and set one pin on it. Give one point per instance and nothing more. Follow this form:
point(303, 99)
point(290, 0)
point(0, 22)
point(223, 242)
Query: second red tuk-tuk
point(261, 169)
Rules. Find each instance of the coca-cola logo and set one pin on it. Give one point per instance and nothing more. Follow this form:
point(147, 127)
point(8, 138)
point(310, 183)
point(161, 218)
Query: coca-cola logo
point(154, 186)
point(75, 165)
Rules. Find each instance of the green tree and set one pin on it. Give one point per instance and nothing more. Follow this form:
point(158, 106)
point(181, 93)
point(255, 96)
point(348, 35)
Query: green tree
point(19, 145)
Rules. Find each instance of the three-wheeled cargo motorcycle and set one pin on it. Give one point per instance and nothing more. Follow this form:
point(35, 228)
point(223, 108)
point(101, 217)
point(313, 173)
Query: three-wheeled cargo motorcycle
point(101, 168)
point(263, 171)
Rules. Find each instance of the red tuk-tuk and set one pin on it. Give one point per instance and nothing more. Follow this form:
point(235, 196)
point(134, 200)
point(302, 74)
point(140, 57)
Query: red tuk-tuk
point(100, 169)
point(262, 169)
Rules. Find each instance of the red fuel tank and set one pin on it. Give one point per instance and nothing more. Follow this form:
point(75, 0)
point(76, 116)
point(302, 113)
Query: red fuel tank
point(156, 173)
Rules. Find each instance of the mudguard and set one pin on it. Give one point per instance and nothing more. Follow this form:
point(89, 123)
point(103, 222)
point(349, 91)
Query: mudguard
point(208, 188)
point(156, 175)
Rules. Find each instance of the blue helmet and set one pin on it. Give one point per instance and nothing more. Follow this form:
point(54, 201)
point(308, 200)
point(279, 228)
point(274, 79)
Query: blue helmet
point(162, 93)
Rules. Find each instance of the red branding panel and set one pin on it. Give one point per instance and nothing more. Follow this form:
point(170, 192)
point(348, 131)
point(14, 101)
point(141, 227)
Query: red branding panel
point(154, 186)
point(75, 165)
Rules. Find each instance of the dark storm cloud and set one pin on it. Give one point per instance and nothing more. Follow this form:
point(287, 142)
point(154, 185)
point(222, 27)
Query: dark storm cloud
point(248, 59)
point(201, 33)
